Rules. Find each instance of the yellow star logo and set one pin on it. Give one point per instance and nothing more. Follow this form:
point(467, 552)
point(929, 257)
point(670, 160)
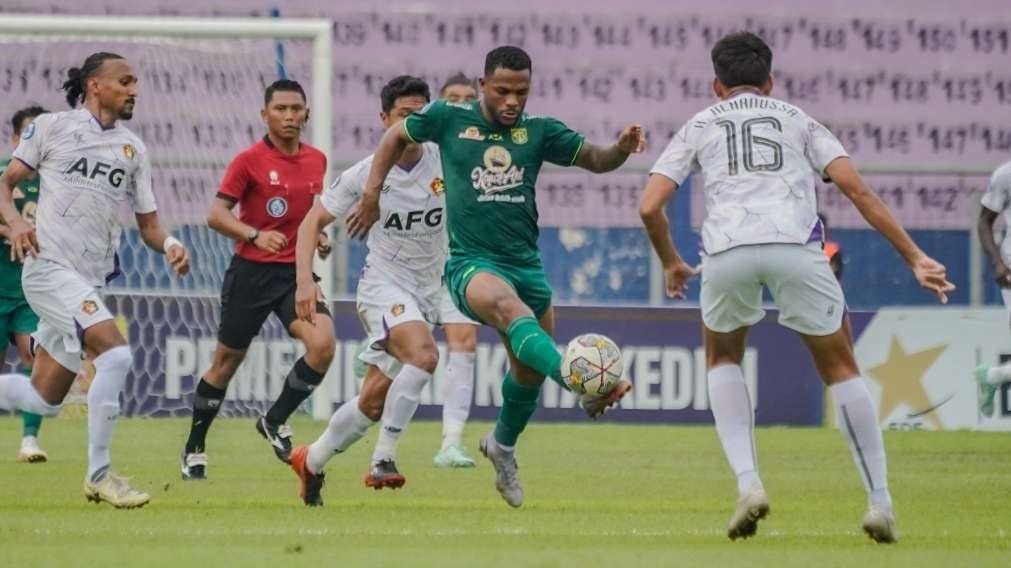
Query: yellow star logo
point(901, 381)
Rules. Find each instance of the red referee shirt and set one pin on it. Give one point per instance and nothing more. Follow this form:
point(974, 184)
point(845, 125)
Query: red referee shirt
point(274, 192)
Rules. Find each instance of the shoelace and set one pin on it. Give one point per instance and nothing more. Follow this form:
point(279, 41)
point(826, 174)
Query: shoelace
point(284, 431)
point(120, 485)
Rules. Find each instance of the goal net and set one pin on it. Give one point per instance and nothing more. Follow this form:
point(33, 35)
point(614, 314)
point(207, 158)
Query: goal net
point(200, 94)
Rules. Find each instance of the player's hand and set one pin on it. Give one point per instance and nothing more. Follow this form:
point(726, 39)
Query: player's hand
point(323, 246)
point(363, 216)
point(271, 241)
point(307, 294)
point(933, 276)
point(632, 140)
point(23, 241)
point(676, 276)
point(179, 259)
point(1002, 274)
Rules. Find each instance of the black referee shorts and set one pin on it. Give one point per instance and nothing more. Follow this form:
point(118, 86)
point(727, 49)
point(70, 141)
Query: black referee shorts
point(250, 292)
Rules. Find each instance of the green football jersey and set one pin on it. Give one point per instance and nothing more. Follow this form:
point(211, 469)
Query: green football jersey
point(490, 172)
point(26, 198)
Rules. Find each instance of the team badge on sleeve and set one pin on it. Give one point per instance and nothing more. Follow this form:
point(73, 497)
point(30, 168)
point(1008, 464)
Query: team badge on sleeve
point(29, 132)
point(129, 151)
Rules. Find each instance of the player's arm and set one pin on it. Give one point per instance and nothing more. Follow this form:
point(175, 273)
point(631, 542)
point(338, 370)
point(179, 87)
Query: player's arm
point(984, 228)
point(930, 273)
point(307, 293)
point(157, 238)
point(18, 231)
point(391, 147)
point(677, 272)
point(598, 160)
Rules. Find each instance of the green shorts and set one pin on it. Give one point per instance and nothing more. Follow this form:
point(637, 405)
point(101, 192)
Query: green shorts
point(527, 280)
point(16, 316)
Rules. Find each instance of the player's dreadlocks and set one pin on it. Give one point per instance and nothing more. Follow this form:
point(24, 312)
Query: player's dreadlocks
point(77, 76)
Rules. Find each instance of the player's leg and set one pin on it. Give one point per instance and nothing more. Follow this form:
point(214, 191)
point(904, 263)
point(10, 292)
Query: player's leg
point(412, 344)
point(731, 298)
point(305, 375)
point(207, 399)
point(812, 304)
point(31, 422)
point(458, 384)
point(990, 378)
point(347, 425)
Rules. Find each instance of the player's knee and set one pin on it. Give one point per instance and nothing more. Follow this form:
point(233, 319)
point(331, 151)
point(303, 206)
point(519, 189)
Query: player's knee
point(462, 342)
point(371, 404)
point(426, 358)
point(321, 351)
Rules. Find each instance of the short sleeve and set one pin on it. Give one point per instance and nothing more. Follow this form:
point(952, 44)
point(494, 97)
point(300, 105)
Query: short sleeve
point(995, 198)
point(32, 148)
point(680, 158)
point(822, 147)
point(561, 144)
point(425, 125)
point(236, 180)
point(346, 190)
point(141, 191)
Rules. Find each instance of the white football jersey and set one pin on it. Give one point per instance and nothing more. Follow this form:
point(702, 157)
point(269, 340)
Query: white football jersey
point(85, 172)
point(759, 157)
point(997, 198)
point(408, 243)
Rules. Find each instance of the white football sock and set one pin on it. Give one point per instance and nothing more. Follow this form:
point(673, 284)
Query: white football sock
point(401, 403)
point(999, 374)
point(111, 369)
point(346, 427)
point(858, 422)
point(459, 390)
point(735, 423)
point(17, 393)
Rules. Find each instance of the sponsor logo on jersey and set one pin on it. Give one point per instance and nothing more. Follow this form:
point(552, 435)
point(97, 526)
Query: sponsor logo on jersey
point(519, 135)
point(277, 207)
point(83, 169)
point(498, 173)
point(397, 310)
point(89, 307)
point(431, 218)
point(472, 133)
point(438, 186)
point(129, 151)
point(274, 179)
point(495, 137)
point(29, 131)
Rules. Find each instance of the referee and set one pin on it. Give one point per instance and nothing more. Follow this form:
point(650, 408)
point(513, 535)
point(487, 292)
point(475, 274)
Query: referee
point(274, 182)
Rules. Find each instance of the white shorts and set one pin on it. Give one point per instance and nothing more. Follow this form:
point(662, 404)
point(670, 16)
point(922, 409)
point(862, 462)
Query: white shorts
point(66, 305)
point(383, 305)
point(799, 277)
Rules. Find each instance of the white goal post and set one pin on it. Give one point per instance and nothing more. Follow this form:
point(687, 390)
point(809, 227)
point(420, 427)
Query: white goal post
point(197, 300)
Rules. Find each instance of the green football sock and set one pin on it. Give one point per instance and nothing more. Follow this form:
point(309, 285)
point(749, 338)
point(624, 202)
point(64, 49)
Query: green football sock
point(518, 403)
point(30, 424)
point(535, 348)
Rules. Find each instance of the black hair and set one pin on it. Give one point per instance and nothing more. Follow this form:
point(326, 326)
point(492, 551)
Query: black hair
point(282, 85)
point(28, 112)
point(403, 86)
point(77, 76)
point(742, 58)
point(507, 57)
point(458, 79)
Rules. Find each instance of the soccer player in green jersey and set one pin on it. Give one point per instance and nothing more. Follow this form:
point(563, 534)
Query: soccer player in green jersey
point(17, 320)
point(492, 153)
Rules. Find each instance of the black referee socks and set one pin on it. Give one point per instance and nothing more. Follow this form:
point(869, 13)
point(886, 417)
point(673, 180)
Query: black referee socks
point(299, 384)
point(206, 403)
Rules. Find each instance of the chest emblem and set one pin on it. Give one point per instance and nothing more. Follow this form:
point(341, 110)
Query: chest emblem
point(472, 133)
point(129, 151)
point(274, 178)
point(519, 135)
point(277, 207)
point(438, 186)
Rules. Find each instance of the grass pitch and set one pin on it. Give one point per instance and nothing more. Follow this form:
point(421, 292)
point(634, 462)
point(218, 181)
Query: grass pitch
point(596, 495)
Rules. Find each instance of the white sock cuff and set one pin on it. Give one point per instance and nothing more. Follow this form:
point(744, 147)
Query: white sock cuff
point(725, 375)
point(849, 391)
point(461, 358)
point(115, 359)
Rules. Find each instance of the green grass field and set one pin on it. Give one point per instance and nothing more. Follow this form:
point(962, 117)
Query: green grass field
point(596, 495)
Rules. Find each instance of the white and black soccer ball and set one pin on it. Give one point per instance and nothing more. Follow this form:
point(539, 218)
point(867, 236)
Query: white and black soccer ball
point(592, 364)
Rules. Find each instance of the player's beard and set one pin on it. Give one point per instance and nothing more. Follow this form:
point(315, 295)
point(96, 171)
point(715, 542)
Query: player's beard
point(126, 113)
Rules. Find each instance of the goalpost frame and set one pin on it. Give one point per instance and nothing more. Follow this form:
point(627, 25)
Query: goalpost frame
point(320, 31)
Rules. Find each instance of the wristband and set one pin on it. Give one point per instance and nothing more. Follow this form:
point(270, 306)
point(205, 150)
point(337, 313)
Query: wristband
point(170, 242)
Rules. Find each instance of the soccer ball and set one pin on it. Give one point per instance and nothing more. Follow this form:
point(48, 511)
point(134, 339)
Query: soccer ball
point(592, 364)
